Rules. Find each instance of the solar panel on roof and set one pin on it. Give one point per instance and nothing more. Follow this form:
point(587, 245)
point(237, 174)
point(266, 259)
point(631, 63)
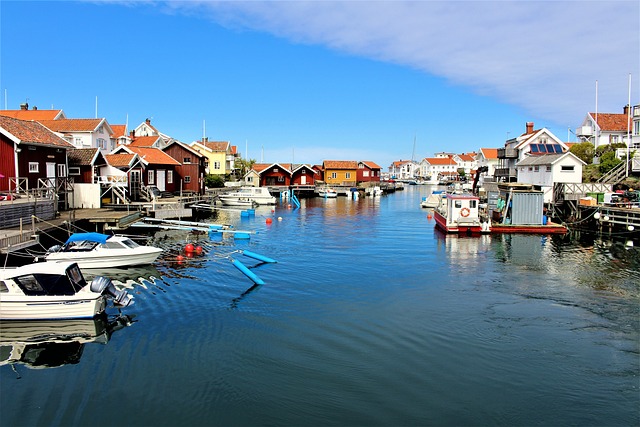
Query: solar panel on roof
point(534, 148)
point(558, 148)
point(542, 148)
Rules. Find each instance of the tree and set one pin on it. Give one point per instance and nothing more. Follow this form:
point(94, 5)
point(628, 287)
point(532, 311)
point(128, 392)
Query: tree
point(584, 151)
point(244, 165)
point(214, 181)
point(608, 161)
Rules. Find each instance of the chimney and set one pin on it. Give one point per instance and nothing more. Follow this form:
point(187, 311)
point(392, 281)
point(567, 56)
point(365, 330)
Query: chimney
point(625, 110)
point(205, 139)
point(24, 106)
point(34, 108)
point(529, 127)
point(132, 134)
point(148, 121)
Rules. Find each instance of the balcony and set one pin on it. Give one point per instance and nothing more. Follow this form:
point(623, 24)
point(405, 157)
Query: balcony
point(505, 172)
point(507, 153)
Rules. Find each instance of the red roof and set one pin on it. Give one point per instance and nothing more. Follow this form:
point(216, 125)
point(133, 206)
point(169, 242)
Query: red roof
point(489, 153)
point(612, 122)
point(119, 130)
point(151, 155)
point(340, 164)
point(370, 165)
point(36, 115)
point(143, 141)
point(30, 132)
point(119, 160)
point(72, 125)
point(441, 161)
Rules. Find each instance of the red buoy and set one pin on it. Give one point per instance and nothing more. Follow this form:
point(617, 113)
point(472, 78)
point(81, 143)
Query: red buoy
point(269, 221)
point(189, 248)
point(198, 250)
point(179, 258)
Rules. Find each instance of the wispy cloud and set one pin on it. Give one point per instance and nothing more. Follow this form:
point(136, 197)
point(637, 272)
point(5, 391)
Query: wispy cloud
point(541, 56)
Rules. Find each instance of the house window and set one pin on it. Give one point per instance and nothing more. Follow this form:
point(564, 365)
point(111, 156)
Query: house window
point(347, 175)
point(62, 170)
point(281, 179)
point(536, 168)
point(74, 170)
point(250, 179)
point(548, 168)
point(613, 139)
point(151, 177)
point(102, 143)
point(101, 129)
point(275, 170)
point(216, 165)
point(530, 168)
point(567, 168)
point(169, 177)
point(303, 171)
point(334, 175)
point(78, 142)
point(187, 179)
point(186, 160)
point(33, 167)
point(365, 173)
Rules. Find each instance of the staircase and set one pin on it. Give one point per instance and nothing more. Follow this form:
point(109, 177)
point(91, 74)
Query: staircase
point(615, 175)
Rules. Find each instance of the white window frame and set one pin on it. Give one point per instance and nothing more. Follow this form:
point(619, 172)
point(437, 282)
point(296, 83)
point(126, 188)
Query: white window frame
point(34, 167)
point(169, 177)
point(187, 179)
point(62, 170)
point(74, 170)
point(151, 177)
point(216, 165)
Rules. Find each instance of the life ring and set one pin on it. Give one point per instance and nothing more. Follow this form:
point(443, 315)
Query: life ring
point(465, 212)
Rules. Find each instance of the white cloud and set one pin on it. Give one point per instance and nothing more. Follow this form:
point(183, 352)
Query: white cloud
point(542, 56)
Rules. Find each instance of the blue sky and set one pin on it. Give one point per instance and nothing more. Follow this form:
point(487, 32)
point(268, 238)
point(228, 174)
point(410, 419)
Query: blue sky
point(312, 81)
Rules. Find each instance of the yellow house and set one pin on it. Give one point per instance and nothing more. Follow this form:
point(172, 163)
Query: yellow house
point(340, 172)
point(220, 156)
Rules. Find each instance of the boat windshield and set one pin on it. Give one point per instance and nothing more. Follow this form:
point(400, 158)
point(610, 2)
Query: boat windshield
point(52, 284)
point(122, 244)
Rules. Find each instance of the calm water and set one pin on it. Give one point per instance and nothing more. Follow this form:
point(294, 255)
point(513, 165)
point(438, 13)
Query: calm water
point(370, 317)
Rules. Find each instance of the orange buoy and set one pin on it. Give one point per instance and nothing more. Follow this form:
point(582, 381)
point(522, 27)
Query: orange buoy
point(189, 248)
point(269, 221)
point(429, 216)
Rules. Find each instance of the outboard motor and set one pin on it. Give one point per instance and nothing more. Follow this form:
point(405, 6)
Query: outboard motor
point(105, 286)
point(54, 248)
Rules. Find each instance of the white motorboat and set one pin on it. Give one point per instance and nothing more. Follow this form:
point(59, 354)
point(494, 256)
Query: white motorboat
point(433, 201)
point(260, 195)
point(95, 250)
point(328, 193)
point(55, 290)
point(239, 203)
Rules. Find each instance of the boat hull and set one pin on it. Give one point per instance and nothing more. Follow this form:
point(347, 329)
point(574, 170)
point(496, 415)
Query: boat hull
point(84, 305)
point(101, 259)
point(528, 229)
point(454, 227)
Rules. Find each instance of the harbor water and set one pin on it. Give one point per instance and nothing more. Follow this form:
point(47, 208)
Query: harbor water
point(370, 317)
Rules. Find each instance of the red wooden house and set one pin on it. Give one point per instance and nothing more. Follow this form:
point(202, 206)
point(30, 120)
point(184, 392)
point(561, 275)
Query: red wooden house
point(192, 168)
point(303, 175)
point(368, 172)
point(85, 164)
point(159, 167)
point(30, 155)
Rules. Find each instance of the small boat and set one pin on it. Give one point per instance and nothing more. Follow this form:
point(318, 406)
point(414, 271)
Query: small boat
point(55, 290)
point(375, 191)
point(432, 201)
point(327, 193)
point(458, 213)
point(239, 202)
point(96, 250)
point(260, 195)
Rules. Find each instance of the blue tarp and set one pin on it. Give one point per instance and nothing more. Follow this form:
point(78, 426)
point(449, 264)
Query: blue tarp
point(91, 237)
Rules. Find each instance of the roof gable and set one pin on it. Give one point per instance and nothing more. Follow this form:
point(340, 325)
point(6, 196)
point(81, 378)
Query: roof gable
point(30, 132)
point(340, 164)
point(85, 157)
point(120, 160)
point(611, 122)
point(370, 165)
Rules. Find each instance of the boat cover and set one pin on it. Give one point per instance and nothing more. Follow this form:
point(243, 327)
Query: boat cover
point(91, 237)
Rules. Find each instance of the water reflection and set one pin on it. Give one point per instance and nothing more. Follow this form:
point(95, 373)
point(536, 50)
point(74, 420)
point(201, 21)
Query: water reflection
point(40, 344)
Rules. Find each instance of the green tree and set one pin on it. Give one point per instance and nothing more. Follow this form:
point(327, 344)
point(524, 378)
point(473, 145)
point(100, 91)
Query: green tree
point(244, 165)
point(608, 161)
point(584, 151)
point(214, 181)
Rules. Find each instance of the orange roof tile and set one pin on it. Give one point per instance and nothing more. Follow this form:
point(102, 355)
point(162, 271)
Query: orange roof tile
point(119, 130)
point(370, 165)
point(489, 153)
point(119, 160)
point(30, 132)
point(259, 167)
point(340, 164)
point(466, 158)
point(440, 161)
point(216, 145)
point(144, 141)
point(612, 122)
point(153, 155)
point(36, 115)
point(72, 125)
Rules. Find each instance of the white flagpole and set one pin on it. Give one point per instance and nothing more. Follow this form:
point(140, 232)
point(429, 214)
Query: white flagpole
point(596, 124)
point(628, 128)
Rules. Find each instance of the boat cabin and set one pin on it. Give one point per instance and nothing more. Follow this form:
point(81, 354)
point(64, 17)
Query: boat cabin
point(459, 213)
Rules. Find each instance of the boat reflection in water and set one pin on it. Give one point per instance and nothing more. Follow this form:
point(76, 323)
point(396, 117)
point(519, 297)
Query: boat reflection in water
point(127, 277)
point(52, 343)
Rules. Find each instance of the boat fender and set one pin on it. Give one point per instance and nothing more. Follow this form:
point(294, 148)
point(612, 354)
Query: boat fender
point(464, 212)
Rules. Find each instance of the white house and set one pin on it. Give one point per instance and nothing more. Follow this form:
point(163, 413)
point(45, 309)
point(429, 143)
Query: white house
point(546, 169)
point(434, 169)
point(611, 128)
point(84, 133)
point(541, 141)
point(403, 169)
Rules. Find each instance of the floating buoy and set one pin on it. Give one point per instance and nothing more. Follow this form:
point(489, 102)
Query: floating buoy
point(179, 258)
point(429, 216)
point(273, 210)
point(241, 236)
point(258, 257)
point(279, 218)
point(269, 220)
point(189, 248)
point(240, 266)
point(198, 250)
